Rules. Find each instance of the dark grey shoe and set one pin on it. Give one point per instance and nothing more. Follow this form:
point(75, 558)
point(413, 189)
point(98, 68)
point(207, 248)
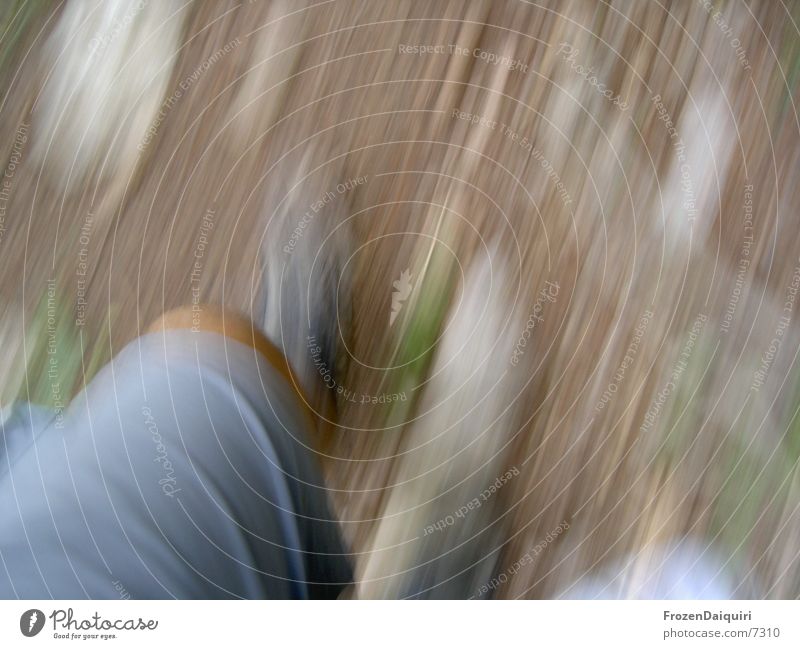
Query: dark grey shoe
point(305, 294)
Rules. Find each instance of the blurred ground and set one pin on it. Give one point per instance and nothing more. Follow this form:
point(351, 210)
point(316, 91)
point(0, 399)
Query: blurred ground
point(596, 206)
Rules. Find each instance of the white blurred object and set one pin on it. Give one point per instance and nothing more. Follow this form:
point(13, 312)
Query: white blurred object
point(108, 66)
point(684, 569)
point(422, 548)
point(261, 93)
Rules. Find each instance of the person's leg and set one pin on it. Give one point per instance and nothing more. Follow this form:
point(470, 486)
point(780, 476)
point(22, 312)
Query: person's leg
point(20, 423)
point(233, 326)
point(185, 469)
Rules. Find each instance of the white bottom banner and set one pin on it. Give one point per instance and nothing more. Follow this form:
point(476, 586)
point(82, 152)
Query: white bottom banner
point(351, 624)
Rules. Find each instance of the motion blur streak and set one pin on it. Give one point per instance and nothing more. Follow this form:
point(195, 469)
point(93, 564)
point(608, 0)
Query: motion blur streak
point(586, 382)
